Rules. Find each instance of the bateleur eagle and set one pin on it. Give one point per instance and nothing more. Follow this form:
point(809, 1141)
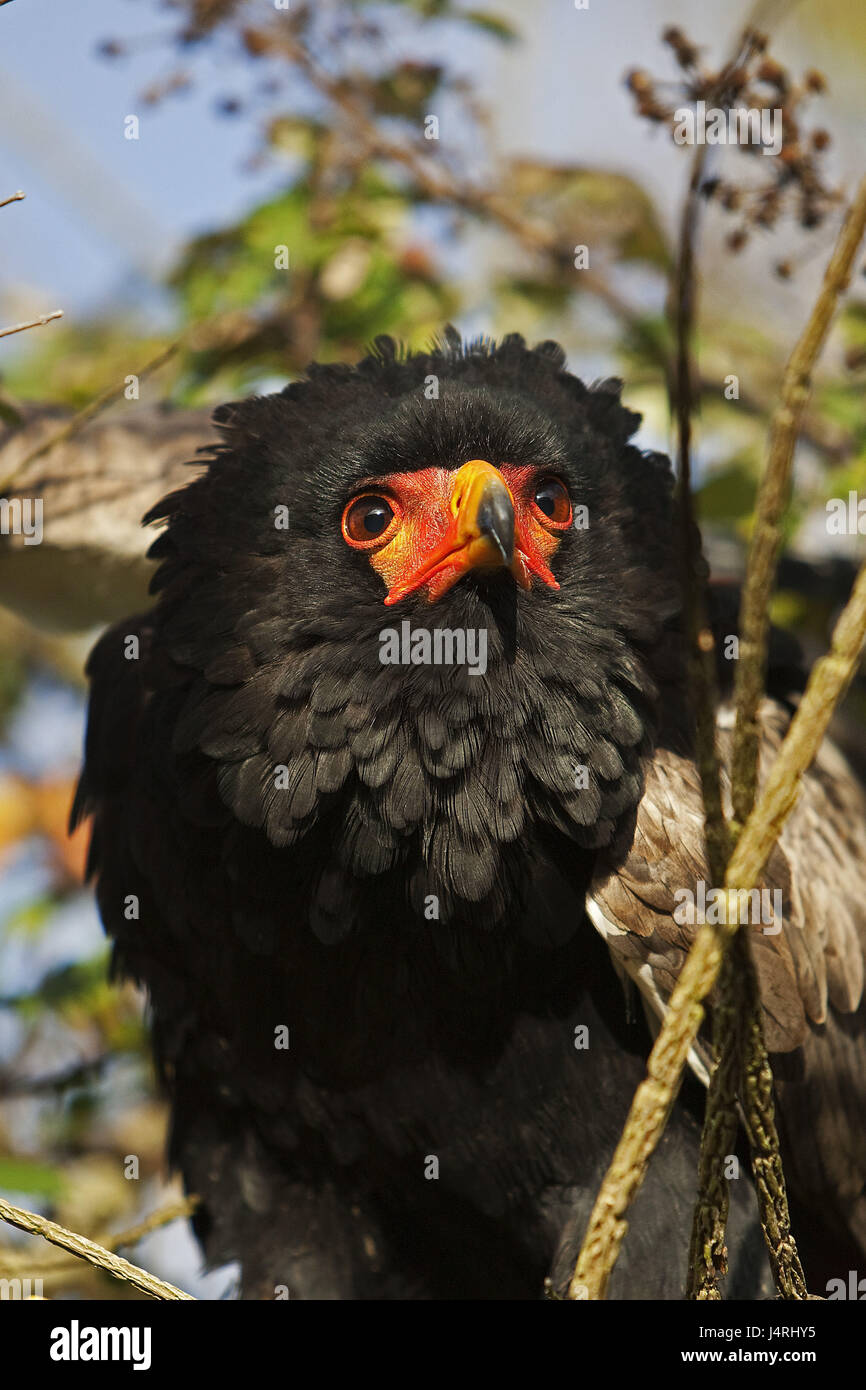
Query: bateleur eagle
point(393, 803)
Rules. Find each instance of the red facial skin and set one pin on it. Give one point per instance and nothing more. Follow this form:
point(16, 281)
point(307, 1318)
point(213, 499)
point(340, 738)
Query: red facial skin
point(433, 538)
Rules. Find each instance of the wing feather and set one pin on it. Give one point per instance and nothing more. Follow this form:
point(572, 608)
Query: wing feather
point(811, 972)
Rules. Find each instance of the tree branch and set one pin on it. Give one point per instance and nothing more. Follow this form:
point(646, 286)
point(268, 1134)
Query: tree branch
point(442, 186)
point(32, 323)
point(772, 501)
point(654, 1097)
point(91, 1252)
point(14, 1262)
point(84, 416)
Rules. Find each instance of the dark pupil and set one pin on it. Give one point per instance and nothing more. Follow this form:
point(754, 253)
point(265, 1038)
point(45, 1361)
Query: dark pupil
point(376, 518)
point(546, 499)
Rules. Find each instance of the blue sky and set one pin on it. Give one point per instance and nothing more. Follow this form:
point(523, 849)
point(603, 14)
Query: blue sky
point(104, 215)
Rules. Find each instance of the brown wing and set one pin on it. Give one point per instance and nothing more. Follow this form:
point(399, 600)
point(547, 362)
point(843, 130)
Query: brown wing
point(811, 972)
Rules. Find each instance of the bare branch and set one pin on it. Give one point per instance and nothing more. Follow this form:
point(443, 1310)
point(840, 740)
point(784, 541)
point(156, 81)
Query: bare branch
point(33, 323)
point(83, 416)
point(654, 1097)
point(828, 681)
point(14, 1262)
point(13, 1084)
point(174, 1211)
point(772, 501)
point(91, 1252)
point(441, 185)
point(759, 1111)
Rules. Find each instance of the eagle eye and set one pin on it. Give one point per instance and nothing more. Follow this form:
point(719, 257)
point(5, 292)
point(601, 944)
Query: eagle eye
point(367, 519)
point(552, 500)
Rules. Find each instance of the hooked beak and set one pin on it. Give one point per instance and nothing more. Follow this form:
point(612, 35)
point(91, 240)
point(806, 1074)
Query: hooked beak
point(480, 534)
point(493, 512)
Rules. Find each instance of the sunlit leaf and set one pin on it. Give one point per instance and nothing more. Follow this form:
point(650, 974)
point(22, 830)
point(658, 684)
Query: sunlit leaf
point(26, 1175)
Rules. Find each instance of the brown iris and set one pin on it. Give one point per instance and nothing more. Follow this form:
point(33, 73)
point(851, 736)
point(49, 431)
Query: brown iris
point(552, 500)
point(367, 519)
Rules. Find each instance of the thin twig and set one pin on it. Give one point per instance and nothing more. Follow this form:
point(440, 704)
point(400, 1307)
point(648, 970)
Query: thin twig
point(701, 642)
point(772, 500)
point(759, 1112)
point(754, 1068)
point(828, 681)
point(174, 1211)
point(743, 1068)
point(741, 1057)
point(55, 1262)
point(84, 416)
point(654, 1097)
point(13, 197)
point(12, 1084)
point(707, 1252)
point(441, 185)
point(708, 1255)
point(32, 323)
point(91, 1252)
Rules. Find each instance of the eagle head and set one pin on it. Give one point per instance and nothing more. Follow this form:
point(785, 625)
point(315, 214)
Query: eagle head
point(413, 612)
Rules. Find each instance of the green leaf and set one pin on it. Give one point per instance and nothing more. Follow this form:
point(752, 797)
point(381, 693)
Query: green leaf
point(492, 24)
point(24, 1175)
point(728, 495)
point(591, 207)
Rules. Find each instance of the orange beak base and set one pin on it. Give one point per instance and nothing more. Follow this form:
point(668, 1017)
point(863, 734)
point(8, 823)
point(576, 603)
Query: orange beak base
point(454, 523)
point(480, 535)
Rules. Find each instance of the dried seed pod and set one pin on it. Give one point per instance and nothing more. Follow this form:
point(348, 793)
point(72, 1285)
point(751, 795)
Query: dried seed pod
point(755, 40)
point(814, 81)
point(735, 80)
point(653, 110)
point(769, 70)
point(686, 52)
point(639, 81)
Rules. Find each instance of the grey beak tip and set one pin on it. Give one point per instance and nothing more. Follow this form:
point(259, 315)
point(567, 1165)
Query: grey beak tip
point(496, 521)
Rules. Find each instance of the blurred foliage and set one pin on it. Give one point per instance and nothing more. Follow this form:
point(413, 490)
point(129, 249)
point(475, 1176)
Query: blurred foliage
point(348, 279)
point(592, 207)
point(371, 240)
point(79, 361)
point(24, 1175)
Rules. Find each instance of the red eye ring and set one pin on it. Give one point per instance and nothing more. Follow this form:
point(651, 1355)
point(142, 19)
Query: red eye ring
point(363, 514)
point(554, 509)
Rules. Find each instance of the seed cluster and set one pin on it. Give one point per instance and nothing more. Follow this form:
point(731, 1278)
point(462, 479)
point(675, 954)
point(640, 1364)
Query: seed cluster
point(793, 182)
